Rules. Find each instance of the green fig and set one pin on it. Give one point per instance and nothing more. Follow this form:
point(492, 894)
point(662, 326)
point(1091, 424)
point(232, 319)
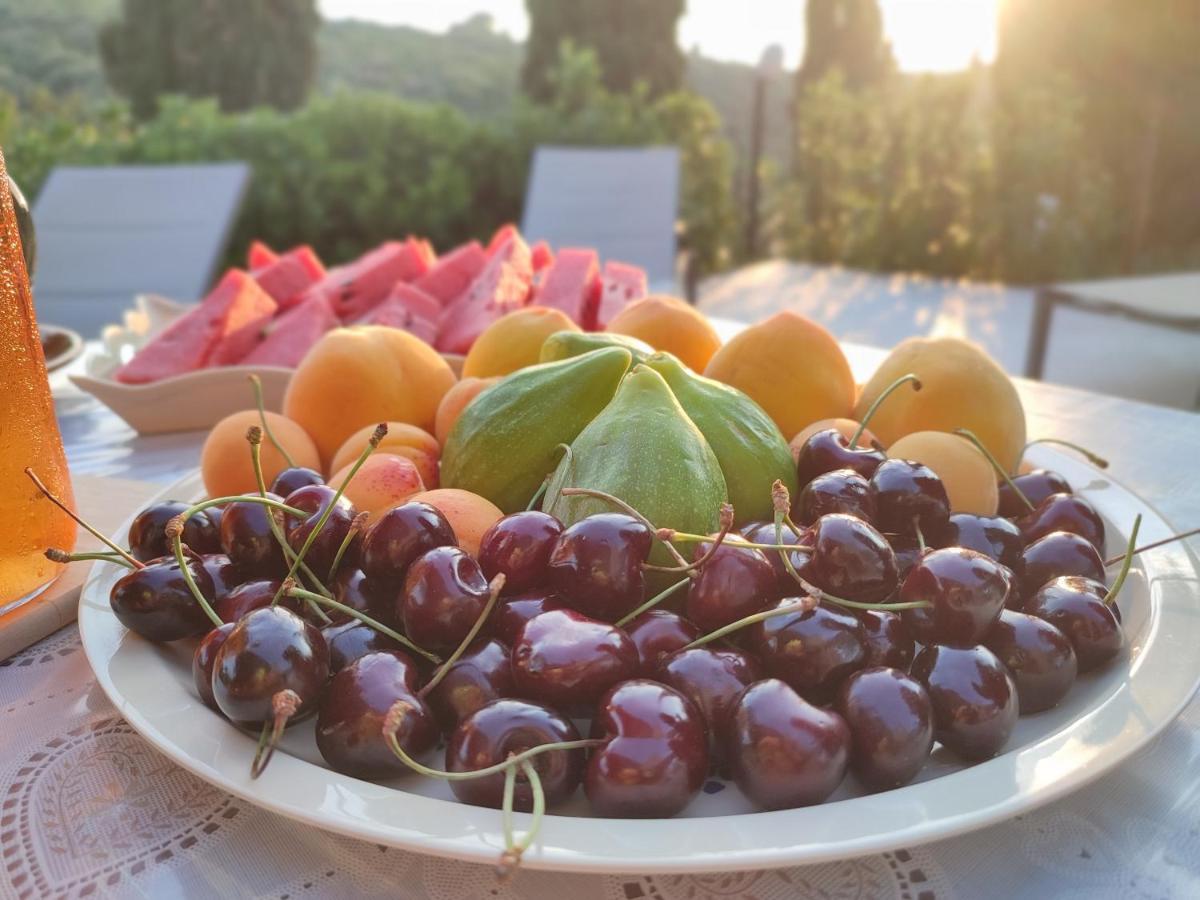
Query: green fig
point(645, 450)
point(565, 344)
point(510, 437)
point(747, 442)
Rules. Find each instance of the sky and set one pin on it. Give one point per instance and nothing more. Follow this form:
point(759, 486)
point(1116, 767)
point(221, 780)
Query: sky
point(926, 35)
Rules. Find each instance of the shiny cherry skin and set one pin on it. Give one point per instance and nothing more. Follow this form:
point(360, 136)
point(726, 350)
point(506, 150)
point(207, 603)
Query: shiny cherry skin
point(506, 727)
point(735, 582)
point(1038, 656)
point(400, 536)
point(656, 756)
point(712, 678)
point(596, 565)
point(352, 639)
point(1054, 555)
point(990, 535)
point(909, 495)
point(269, 650)
point(224, 573)
point(888, 640)
point(813, 651)
point(247, 540)
point(839, 491)
point(567, 661)
point(784, 752)
point(1064, 512)
point(891, 726)
point(967, 590)
point(314, 500)
point(294, 478)
point(519, 546)
point(658, 633)
point(1036, 485)
point(202, 663)
point(1076, 607)
point(155, 602)
point(974, 699)
point(444, 593)
point(514, 611)
point(851, 560)
point(764, 533)
point(350, 721)
point(482, 674)
point(351, 587)
point(147, 531)
point(249, 595)
point(908, 553)
point(829, 450)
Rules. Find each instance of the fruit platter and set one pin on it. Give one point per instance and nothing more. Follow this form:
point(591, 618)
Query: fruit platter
point(625, 597)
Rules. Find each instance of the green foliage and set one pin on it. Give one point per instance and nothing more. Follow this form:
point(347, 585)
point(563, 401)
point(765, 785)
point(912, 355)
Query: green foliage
point(844, 36)
point(243, 54)
point(49, 47)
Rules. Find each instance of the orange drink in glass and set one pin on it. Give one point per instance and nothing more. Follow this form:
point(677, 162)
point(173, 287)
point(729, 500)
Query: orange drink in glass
point(29, 523)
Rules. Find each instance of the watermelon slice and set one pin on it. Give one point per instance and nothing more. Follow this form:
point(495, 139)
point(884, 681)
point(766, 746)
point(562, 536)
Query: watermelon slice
point(543, 256)
point(259, 256)
point(408, 308)
point(502, 286)
point(453, 272)
point(285, 340)
point(502, 236)
point(352, 289)
point(222, 327)
point(290, 275)
point(571, 284)
point(620, 283)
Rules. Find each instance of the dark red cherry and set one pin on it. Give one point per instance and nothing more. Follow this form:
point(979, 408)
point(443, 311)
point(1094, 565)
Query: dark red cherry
point(712, 678)
point(444, 593)
point(505, 728)
point(147, 531)
point(268, 651)
point(967, 590)
point(519, 545)
point(247, 539)
point(891, 726)
point(814, 651)
point(974, 699)
point(658, 633)
point(1037, 655)
point(250, 595)
point(908, 552)
point(513, 612)
point(765, 534)
point(829, 450)
point(155, 601)
point(596, 565)
point(1053, 555)
point(1076, 607)
point(784, 752)
point(314, 500)
point(839, 491)
point(566, 660)
point(990, 535)
point(909, 495)
point(202, 663)
point(290, 480)
point(378, 599)
point(400, 536)
point(852, 560)
point(350, 721)
point(735, 582)
point(224, 574)
point(352, 639)
point(1036, 485)
point(656, 757)
point(888, 640)
point(1064, 512)
point(482, 674)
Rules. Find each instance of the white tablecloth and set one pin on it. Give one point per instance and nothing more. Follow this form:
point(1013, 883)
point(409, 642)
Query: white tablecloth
point(89, 809)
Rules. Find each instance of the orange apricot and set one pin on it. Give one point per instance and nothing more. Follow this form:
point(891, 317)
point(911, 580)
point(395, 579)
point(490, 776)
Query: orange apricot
point(383, 481)
point(670, 324)
point(401, 439)
point(225, 463)
point(456, 401)
point(470, 515)
point(969, 478)
point(514, 341)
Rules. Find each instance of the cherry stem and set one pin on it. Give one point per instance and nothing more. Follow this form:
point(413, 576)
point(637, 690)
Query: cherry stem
point(256, 383)
point(626, 508)
point(1125, 566)
point(357, 527)
point(49, 495)
point(54, 554)
point(920, 537)
point(974, 439)
point(1098, 461)
point(1117, 559)
point(494, 590)
point(353, 613)
point(651, 603)
point(175, 535)
point(539, 493)
point(239, 498)
point(372, 443)
point(686, 538)
point(887, 392)
point(510, 859)
point(801, 605)
point(726, 520)
point(284, 705)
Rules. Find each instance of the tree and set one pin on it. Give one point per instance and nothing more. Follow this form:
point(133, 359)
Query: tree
point(244, 54)
point(846, 35)
point(634, 41)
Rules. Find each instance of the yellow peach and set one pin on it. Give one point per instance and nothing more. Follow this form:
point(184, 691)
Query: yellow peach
point(384, 480)
point(469, 514)
point(514, 341)
point(401, 439)
point(225, 463)
point(969, 478)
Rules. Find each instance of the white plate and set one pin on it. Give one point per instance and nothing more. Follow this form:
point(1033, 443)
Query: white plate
point(1107, 717)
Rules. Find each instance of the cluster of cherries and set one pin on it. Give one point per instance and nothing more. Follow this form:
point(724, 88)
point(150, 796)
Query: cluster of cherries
point(860, 626)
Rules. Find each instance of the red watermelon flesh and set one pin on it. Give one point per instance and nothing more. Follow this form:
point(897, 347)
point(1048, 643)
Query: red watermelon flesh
point(221, 327)
point(543, 256)
point(571, 283)
point(453, 272)
point(259, 256)
point(410, 309)
point(285, 340)
point(620, 283)
point(501, 237)
point(290, 275)
point(352, 289)
point(502, 286)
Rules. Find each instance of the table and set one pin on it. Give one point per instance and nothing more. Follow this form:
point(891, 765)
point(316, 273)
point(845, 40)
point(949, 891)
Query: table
point(88, 808)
